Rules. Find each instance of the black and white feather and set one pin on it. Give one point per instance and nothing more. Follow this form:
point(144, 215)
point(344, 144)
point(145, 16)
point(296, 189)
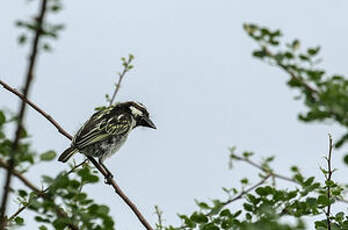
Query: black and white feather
point(107, 130)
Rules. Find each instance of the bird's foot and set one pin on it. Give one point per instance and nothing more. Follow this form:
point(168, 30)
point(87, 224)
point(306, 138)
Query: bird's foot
point(108, 178)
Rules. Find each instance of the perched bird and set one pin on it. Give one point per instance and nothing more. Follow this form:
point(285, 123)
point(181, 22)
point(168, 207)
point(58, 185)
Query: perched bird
point(107, 130)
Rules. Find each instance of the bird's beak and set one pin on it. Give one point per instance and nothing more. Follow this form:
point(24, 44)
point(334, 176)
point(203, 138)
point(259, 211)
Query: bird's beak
point(148, 123)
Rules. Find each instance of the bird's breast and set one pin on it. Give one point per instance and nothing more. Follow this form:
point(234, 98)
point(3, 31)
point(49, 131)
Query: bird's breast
point(112, 145)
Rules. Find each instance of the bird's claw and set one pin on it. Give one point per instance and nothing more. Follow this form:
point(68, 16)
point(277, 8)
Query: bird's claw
point(108, 178)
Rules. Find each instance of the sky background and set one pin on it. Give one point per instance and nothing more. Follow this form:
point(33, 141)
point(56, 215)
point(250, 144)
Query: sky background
point(194, 72)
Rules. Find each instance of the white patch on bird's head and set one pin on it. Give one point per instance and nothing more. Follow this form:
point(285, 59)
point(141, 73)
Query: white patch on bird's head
point(136, 112)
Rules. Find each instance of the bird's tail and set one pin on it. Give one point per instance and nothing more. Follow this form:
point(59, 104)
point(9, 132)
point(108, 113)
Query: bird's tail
point(67, 154)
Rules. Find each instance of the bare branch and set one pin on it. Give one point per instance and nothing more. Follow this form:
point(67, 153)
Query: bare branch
point(38, 109)
point(28, 81)
point(260, 167)
point(110, 181)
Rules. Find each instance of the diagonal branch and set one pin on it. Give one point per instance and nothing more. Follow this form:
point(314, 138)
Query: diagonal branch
point(110, 181)
point(28, 81)
point(37, 108)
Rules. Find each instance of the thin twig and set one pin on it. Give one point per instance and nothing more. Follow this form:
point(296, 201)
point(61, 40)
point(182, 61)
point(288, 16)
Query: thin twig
point(118, 86)
point(110, 181)
point(279, 176)
point(329, 175)
point(28, 81)
point(159, 213)
point(286, 69)
point(17, 174)
point(244, 192)
point(77, 166)
point(126, 65)
point(273, 174)
point(17, 213)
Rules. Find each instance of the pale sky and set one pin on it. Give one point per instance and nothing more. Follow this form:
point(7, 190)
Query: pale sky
point(194, 72)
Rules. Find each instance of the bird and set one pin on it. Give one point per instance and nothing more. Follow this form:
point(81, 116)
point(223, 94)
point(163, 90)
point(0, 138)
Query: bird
point(107, 130)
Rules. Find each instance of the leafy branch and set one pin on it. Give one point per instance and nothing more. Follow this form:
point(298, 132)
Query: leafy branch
point(34, 188)
point(37, 191)
point(329, 183)
point(324, 96)
point(126, 63)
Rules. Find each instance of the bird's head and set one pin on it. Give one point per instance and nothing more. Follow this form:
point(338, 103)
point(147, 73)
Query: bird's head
point(140, 114)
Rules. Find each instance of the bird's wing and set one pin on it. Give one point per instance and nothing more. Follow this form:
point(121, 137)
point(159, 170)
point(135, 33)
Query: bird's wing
point(98, 128)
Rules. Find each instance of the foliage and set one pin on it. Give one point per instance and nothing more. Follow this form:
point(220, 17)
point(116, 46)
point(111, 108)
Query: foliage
point(63, 201)
point(49, 30)
point(325, 96)
point(265, 205)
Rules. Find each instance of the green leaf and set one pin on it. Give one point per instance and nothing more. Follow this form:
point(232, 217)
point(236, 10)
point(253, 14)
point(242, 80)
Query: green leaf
point(248, 207)
point(86, 176)
point(345, 159)
point(47, 179)
point(210, 226)
point(55, 8)
point(199, 218)
point(2, 118)
point(103, 210)
point(22, 39)
point(295, 44)
point(259, 53)
point(41, 219)
point(22, 193)
point(226, 213)
point(48, 156)
point(42, 227)
point(19, 220)
point(203, 205)
point(323, 200)
point(309, 181)
point(23, 133)
point(46, 47)
point(313, 51)
point(62, 181)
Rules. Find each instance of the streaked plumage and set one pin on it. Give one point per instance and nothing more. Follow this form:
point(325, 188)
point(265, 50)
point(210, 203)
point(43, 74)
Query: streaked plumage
point(107, 130)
